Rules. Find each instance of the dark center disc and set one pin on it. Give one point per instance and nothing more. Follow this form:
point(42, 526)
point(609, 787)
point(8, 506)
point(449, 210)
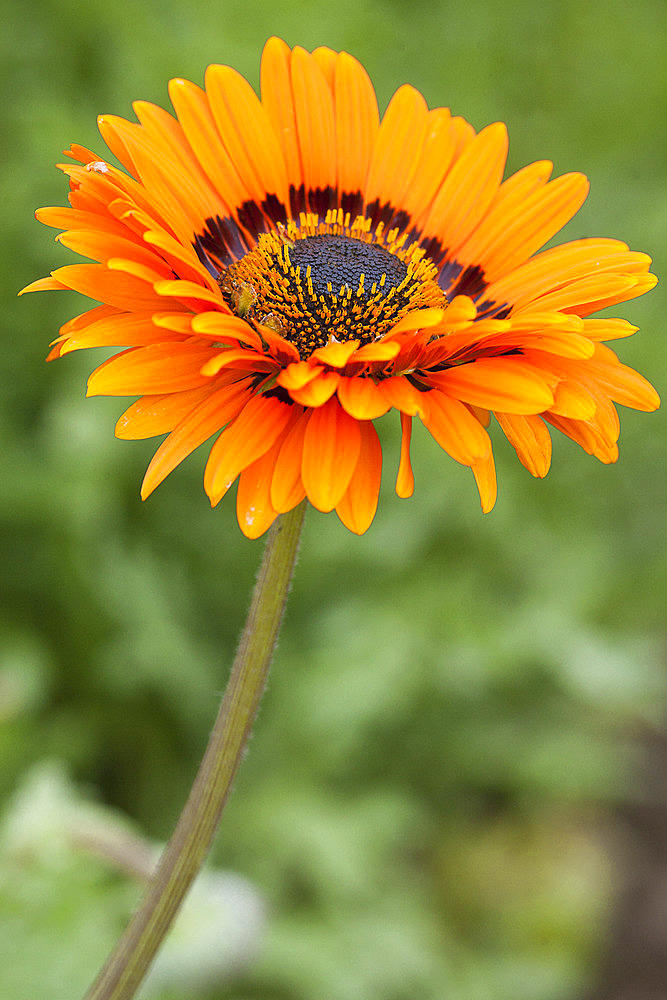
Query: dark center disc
point(339, 262)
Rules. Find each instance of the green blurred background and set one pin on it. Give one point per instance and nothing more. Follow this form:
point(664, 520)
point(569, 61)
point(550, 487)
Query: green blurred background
point(460, 704)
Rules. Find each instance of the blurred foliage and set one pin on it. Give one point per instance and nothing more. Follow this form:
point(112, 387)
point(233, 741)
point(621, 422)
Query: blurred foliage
point(455, 697)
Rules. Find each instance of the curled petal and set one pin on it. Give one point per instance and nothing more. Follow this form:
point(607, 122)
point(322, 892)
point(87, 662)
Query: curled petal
point(298, 374)
point(362, 398)
point(223, 326)
point(336, 355)
point(317, 391)
point(405, 480)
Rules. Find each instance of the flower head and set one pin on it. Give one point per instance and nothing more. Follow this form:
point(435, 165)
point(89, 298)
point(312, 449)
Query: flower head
point(283, 271)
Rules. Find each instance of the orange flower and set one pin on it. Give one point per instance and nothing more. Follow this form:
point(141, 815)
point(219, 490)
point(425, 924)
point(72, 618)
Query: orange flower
point(281, 272)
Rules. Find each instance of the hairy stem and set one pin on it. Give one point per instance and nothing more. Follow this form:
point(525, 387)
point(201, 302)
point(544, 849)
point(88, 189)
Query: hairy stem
point(185, 853)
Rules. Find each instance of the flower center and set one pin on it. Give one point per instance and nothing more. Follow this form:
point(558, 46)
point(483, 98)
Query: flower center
point(317, 282)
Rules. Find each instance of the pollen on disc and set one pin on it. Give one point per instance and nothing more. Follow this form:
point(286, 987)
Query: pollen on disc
point(339, 262)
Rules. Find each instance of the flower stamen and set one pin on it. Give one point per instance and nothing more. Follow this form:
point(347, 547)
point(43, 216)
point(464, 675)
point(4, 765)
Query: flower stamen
point(315, 282)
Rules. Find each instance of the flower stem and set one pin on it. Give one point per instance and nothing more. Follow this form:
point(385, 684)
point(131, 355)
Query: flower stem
point(185, 853)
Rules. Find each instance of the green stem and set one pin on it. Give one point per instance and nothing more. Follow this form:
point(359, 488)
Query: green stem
point(185, 853)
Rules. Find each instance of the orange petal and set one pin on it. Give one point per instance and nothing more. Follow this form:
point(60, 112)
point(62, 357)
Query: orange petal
point(334, 354)
point(313, 104)
point(161, 141)
point(381, 350)
point(165, 131)
point(469, 188)
point(572, 400)
point(531, 440)
point(559, 342)
point(137, 270)
point(278, 99)
point(254, 510)
point(279, 348)
point(405, 480)
point(602, 376)
point(181, 259)
point(484, 416)
point(509, 200)
point(461, 311)
point(188, 290)
point(456, 430)
point(594, 292)
point(112, 131)
point(436, 157)
point(175, 322)
point(404, 396)
point(423, 319)
point(463, 133)
point(48, 284)
point(253, 432)
point(204, 420)
point(608, 329)
point(398, 147)
point(503, 384)
point(588, 436)
point(174, 191)
point(326, 59)
point(158, 414)
point(71, 218)
point(362, 399)
point(357, 507)
point(123, 291)
point(194, 114)
point(623, 384)
point(508, 236)
point(357, 121)
point(606, 417)
point(298, 374)
point(101, 246)
point(150, 370)
point(317, 391)
point(238, 358)
point(484, 471)
point(85, 319)
point(119, 330)
point(223, 326)
point(245, 129)
point(78, 325)
point(330, 452)
point(561, 266)
point(286, 486)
